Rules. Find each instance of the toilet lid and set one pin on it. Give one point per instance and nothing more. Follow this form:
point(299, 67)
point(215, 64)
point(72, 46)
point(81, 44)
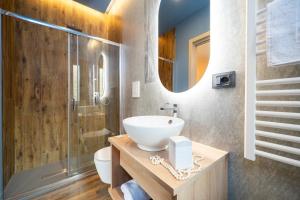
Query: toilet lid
point(103, 154)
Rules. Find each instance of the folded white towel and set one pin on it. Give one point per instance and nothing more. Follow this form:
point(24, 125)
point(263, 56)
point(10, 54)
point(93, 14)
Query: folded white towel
point(282, 32)
point(132, 191)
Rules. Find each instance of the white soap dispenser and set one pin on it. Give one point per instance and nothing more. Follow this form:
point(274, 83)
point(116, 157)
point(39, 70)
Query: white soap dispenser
point(180, 152)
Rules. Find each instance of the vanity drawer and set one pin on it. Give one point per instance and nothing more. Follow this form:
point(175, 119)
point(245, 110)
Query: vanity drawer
point(144, 178)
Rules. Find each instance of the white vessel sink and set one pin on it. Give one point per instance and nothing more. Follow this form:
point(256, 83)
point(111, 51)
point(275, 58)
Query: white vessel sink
point(151, 133)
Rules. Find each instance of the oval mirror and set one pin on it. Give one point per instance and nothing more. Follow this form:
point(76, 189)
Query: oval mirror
point(184, 42)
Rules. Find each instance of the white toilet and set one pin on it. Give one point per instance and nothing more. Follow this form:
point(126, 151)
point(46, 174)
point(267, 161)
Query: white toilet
point(102, 159)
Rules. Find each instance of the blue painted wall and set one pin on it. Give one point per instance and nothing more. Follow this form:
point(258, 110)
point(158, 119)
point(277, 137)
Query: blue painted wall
point(172, 12)
point(194, 25)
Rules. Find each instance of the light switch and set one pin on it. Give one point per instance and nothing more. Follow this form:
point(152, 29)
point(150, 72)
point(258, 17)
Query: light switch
point(136, 89)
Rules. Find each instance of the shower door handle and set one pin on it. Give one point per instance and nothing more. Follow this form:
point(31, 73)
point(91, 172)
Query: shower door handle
point(96, 98)
point(73, 104)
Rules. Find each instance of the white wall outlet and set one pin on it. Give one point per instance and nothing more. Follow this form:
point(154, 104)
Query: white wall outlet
point(136, 89)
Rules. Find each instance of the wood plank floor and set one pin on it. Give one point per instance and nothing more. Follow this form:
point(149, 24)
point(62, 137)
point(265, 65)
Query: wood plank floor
point(90, 188)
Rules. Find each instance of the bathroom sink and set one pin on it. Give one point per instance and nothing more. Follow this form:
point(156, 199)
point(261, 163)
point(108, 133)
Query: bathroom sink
point(151, 133)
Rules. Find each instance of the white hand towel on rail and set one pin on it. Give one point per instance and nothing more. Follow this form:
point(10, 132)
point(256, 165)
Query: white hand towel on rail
point(132, 191)
point(282, 27)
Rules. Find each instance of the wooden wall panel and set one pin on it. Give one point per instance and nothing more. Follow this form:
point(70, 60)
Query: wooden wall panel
point(167, 50)
point(35, 78)
point(167, 45)
point(8, 101)
point(41, 96)
point(165, 70)
point(68, 13)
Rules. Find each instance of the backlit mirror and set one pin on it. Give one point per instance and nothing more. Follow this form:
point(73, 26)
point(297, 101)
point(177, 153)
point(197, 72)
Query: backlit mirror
point(184, 42)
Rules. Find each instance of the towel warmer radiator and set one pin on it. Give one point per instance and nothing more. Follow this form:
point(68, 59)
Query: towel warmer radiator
point(276, 133)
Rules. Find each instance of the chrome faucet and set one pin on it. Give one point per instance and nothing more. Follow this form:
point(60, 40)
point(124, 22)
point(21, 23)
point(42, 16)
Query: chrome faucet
point(173, 107)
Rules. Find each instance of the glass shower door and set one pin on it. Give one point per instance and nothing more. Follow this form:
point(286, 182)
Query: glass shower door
point(60, 104)
point(35, 135)
point(92, 99)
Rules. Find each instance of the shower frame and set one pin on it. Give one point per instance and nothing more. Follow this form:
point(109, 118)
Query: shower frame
point(71, 177)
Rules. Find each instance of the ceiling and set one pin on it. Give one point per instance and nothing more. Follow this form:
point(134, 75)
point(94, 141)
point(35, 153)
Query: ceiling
point(172, 12)
point(99, 5)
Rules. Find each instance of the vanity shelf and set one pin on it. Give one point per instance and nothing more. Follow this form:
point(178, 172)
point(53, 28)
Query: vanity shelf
point(129, 162)
point(116, 193)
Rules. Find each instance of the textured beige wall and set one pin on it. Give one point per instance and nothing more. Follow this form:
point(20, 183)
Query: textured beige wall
point(213, 117)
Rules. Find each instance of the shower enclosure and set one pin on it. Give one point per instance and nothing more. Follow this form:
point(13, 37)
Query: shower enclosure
point(60, 103)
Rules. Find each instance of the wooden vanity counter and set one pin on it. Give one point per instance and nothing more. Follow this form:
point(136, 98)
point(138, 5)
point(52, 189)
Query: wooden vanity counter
point(129, 162)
